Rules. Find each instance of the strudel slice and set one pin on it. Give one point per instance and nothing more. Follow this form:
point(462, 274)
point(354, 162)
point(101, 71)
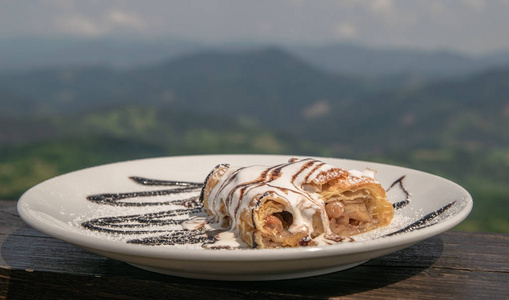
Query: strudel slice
point(299, 203)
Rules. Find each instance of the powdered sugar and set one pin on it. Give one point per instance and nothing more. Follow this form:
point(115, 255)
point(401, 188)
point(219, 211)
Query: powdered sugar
point(173, 217)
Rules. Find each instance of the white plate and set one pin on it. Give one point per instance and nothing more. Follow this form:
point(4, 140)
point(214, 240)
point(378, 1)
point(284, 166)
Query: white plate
point(60, 208)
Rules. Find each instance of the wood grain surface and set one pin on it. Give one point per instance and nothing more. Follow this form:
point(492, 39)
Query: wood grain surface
point(453, 265)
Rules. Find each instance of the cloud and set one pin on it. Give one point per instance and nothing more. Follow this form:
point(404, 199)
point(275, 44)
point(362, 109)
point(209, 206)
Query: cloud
point(124, 19)
point(393, 14)
point(78, 25)
point(473, 26)
point(381, 6)
point(345, 30)
point(93, 26)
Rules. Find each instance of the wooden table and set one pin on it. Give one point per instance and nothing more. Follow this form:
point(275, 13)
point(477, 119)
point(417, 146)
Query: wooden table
point(456, 265)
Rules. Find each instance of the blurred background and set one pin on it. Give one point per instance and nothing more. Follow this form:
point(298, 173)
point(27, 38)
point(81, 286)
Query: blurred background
point(422, 84)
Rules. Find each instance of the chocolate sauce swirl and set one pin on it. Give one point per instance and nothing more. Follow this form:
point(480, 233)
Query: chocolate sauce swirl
point(425, 221)
point(156, 182)
point(400, 204)
point(122, 224)
point(151, 226)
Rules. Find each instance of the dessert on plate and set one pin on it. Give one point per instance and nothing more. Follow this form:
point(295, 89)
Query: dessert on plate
point(303, 202)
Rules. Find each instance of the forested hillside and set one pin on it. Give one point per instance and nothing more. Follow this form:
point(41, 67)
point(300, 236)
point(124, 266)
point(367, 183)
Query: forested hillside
point(55, 120)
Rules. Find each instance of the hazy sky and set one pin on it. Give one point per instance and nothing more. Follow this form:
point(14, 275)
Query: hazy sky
point(472, 26)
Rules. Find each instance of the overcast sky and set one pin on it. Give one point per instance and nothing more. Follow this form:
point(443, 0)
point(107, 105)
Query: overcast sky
point(471, 26)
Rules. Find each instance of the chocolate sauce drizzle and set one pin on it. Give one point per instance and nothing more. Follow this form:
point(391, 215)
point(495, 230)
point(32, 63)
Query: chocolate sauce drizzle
point(147, 181)
point(405, 202)
point(179, 187)
point(152, 224)
point(423, 222)
point(148, 220)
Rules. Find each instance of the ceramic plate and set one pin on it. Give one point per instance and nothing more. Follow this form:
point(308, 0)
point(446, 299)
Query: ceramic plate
point(133, 211)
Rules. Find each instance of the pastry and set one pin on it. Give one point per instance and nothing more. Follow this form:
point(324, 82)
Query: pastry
point(299, 203)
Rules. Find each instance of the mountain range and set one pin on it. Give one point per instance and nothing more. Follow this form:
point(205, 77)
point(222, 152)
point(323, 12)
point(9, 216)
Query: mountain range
point(355, 59)
point(275, 88)
point(259, 100)
point(28, 53)
point(367, 61)
point(269, 84)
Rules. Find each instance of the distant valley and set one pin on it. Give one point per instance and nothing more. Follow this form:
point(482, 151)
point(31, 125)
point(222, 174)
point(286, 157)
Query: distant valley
point(265, 100)
point(273, 88)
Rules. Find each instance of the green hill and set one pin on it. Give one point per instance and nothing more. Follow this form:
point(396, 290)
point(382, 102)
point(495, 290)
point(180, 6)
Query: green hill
point(268, 85)
point(266, 101)
point(472, 112)
point(125, 133)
